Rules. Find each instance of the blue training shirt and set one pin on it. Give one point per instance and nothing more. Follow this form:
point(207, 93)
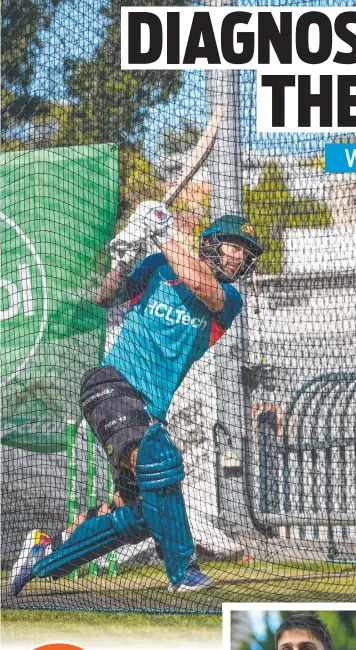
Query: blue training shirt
point(165, 330)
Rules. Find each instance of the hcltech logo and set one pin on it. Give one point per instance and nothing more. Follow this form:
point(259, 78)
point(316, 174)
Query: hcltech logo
point(340, 158)
point(175, 316)
point(24, 301)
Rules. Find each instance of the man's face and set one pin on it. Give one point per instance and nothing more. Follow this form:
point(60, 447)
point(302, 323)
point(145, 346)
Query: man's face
point(232, 256)
point(299, 639)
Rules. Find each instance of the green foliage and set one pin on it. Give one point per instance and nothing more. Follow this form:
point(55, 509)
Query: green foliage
point(106, 104)
point(7, 100)
point(138, 180)
point(341, 625)
point(21, 24)
point(182, 139)
point(110, 104)
point(271, 209)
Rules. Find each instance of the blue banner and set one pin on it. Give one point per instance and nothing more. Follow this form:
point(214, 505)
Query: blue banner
point(340, 158)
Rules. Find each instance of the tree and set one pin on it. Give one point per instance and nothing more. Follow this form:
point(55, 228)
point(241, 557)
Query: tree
point(138, 180)
point(22, 22)
point(110, 104)
point(271, 209)
point(182, 139)
point(105, 103)
point(342, 627)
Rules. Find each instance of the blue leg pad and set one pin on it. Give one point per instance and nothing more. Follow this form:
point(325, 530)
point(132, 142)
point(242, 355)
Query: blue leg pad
point(93, 538)
point(159, 470)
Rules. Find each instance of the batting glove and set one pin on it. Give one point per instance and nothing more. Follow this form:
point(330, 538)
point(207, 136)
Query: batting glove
point(150, 217)
point(124, 260)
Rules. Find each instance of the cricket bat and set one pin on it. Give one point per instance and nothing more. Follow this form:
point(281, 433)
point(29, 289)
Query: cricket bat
point(197, 157)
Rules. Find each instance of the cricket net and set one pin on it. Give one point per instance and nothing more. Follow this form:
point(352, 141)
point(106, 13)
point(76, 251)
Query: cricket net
point(265, 420)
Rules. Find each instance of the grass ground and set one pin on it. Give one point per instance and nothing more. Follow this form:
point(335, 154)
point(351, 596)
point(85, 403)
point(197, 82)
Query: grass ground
point(110, 629)
point(146, 588)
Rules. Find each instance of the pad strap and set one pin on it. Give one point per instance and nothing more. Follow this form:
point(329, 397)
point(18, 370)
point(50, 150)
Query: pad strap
point(106, 391)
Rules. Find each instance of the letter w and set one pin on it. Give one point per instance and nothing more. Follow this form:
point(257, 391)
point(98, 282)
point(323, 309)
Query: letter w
point(351, 158)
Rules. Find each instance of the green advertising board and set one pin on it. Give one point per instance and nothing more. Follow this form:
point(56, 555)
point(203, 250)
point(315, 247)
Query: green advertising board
point(58, 213)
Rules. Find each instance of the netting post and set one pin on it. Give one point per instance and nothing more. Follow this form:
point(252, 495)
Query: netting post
point(91, 485)
point(71, 435)
point(231, 353)
point(113, 567)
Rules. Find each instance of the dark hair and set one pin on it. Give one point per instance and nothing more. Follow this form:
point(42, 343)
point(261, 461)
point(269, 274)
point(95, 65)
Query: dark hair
point(311, 623)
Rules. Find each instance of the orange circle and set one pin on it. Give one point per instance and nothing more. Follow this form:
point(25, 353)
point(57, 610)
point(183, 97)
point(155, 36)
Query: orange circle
point(58, 645)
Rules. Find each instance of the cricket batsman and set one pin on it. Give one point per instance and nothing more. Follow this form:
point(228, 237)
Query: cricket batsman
point(180, 304)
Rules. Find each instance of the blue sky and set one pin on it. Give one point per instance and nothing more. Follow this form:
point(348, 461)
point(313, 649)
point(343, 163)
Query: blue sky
point(259, 624)
point(78, 28)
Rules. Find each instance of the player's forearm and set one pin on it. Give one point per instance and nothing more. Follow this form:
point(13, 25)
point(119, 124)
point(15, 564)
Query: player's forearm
point(196, 274)
point(113, 282)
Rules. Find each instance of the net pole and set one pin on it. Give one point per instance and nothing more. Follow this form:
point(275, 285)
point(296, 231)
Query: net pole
point(113, 567)
point(91, 486)
point(71, 436)
point(231, 353)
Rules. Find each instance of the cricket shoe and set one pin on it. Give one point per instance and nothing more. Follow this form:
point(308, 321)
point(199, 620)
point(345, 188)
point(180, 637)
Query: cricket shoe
point(36, 546)
point(194, 580)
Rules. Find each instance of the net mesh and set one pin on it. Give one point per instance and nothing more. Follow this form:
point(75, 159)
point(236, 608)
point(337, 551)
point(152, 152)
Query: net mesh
point(265, 420)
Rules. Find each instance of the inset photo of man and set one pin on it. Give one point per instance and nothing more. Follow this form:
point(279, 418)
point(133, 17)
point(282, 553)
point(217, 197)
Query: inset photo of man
point(249, 627)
